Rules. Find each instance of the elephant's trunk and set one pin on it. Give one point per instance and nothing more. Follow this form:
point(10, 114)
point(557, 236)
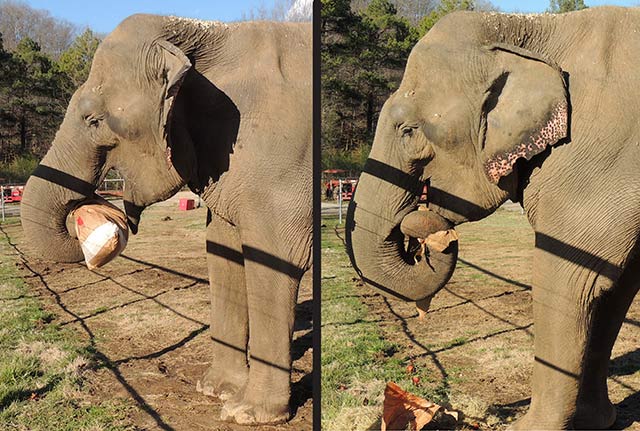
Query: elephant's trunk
point(377, 249)
point(57, 186)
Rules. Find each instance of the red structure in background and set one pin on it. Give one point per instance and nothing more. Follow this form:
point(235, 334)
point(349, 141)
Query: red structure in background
point(331, 182)
point(187, 204)
point(12, 194)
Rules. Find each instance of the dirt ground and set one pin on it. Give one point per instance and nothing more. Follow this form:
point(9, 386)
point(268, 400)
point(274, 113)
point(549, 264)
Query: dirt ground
point(476, 342)
point(146, 316)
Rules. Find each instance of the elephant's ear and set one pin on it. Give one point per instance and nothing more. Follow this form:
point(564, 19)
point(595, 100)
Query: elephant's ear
point(176, 66)
point(525, 109)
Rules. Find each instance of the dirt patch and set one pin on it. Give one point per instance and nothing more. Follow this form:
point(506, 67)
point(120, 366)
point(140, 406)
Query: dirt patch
point(146, 317)
point(475, 346)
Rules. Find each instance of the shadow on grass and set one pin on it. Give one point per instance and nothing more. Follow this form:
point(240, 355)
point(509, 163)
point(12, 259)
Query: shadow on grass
point(504, 412)
point(22, 395)
point(301, 390)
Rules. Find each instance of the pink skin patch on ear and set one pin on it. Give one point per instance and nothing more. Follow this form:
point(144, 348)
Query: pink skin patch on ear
point(500, 165)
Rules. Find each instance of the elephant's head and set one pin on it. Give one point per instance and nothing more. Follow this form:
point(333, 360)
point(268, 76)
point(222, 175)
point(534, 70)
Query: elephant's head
point(135, 113)
point(467, 110)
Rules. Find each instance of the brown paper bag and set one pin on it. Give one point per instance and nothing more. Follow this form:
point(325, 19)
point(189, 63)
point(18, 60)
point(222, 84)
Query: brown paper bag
point(102, 230)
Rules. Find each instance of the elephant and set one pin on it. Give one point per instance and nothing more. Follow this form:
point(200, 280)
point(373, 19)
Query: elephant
point(226, 110)
point(542, 110)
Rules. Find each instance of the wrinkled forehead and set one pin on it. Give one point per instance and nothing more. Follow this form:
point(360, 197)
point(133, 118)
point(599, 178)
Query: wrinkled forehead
point(123, 64)
point(440, 72)
point(112, 57)
point(434, 65)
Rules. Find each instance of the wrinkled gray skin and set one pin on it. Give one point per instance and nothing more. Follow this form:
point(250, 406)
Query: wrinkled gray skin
point(475, 89)
point(226, 109)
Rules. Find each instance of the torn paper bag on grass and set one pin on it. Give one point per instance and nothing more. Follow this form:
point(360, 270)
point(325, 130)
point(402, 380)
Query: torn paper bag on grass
point(401, 408)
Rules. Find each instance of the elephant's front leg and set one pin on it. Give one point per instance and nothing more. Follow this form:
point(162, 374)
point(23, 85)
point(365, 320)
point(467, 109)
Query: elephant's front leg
point(594, 409)
point(564, 303)
point(272, 291)
point(229, 370)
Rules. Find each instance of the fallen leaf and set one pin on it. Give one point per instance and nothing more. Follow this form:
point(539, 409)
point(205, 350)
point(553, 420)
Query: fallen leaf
point(415, 380)
point(411, 368)
point(400, 408)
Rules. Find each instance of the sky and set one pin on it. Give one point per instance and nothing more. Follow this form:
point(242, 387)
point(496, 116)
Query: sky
point(538, 6)
point(104, 16)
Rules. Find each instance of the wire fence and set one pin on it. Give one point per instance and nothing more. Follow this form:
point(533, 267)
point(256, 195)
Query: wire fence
point(11, 196)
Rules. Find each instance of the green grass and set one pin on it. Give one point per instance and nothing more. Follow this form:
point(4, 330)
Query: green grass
point(357, 361)
point(43, 368)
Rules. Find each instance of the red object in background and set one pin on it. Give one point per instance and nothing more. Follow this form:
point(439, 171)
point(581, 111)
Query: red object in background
point(348, 188)
point(187, 204)
point(13, 194)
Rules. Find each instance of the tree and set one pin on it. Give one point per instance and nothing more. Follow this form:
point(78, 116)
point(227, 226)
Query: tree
point(35, 88)
point(300, 10)
point(280, 10)
point(75, 62)
point(18, 20)
point(31, 99)
point(362, 59)
point(562, 6)
point(445, 7)
point(412, 10)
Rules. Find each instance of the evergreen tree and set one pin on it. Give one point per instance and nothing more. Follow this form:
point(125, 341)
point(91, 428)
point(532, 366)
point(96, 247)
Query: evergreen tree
point(562, 6)
point(362, 59)
point(445, 7)
point(31, 101)
point(75, 62)
point(35, 89)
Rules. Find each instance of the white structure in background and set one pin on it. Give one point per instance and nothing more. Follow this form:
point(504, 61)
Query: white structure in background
point(301, 10)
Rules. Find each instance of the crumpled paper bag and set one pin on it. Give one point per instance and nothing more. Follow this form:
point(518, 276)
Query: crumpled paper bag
point(102, 231)
point(400, 408)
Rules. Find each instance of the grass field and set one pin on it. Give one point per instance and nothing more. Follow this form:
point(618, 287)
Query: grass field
point(43, 368)
point(141, 325)
point(473, 352)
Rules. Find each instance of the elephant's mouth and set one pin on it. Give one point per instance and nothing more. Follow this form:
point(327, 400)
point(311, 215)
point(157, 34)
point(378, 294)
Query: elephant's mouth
point(423, 230)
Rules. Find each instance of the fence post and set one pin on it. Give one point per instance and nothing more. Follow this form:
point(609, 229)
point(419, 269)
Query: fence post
point(2, 201)
point(339, 201)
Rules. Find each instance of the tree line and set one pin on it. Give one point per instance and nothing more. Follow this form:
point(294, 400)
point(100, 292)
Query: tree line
point(364, 47)
point(42, 62)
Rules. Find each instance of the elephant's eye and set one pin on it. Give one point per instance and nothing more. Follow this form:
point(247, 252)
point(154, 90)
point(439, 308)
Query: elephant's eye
point(91, 120)
point(407, 131)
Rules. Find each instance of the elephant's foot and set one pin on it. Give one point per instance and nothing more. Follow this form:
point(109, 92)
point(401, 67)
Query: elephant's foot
point(221, 382)
point(532, 421)
point(249, 410)
point(595, 417)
